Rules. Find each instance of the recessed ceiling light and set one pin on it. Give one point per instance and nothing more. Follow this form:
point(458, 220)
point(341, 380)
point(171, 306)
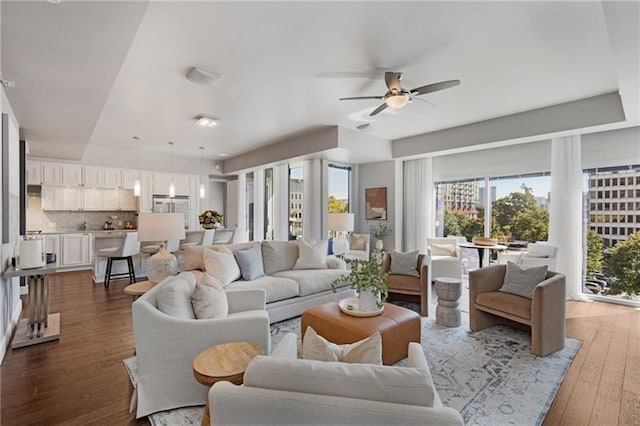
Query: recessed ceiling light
point(206, 121)
point(223, 155)
point(199, 75)
point(54, 2)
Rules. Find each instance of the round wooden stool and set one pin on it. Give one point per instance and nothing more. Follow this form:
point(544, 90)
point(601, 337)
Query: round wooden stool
point(225, 362)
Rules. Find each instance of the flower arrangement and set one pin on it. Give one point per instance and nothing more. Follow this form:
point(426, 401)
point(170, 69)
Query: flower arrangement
point(210, 219)
point(379, 231)
point(365, 275)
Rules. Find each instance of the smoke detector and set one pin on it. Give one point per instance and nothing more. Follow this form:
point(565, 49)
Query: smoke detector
point(199, 75)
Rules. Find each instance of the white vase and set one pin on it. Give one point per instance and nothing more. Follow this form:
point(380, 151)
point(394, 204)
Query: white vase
point(379, 244)
point(368, 301)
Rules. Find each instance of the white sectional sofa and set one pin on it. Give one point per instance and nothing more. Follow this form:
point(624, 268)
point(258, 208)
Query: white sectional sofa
point(289, 291)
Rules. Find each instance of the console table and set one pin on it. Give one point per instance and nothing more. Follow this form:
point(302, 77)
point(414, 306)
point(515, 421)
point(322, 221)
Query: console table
point(40, 326)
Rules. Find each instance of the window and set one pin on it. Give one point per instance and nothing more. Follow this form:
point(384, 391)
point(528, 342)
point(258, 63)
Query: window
point(614, 181)
point(250, 205)
point(268, 205)
point(339, 188)
point(296, 186)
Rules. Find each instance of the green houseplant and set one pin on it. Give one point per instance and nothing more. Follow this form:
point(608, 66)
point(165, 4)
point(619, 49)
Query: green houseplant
point(365, 277)
point(379, 232)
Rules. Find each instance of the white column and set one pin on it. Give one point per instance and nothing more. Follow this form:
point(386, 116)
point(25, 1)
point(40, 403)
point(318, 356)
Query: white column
point(565, 211)
point(241, 234)
point(281, 202)
point(258, 205)
point(312, 193)
point(418, 215)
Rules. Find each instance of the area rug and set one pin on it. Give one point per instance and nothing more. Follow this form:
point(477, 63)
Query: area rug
point(489, 376)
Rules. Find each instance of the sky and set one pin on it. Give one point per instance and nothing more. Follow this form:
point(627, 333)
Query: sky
point(541, 185)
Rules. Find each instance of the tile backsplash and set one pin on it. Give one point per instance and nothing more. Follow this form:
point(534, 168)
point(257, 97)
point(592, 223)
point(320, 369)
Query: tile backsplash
point(61, 221)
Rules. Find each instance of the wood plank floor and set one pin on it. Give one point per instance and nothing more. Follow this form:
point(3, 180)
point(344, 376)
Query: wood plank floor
point(81, 380)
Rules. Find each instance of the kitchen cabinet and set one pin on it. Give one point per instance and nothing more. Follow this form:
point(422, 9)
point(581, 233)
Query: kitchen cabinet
point(51, 198)
point(92, 199)
point(70, 198)
point(129, 177)
point(146, 193)
point(75, 249)
point(110, 199)
point(127, 201)
point(71, 174)
point(51, 174)
point(112, 177)
point(34, 173)
point(52, 245)
point(161, 182)
point(93, 176)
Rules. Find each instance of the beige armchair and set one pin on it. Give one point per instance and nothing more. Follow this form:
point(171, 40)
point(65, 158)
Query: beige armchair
point(406, 284)
point(444, 258)
point(359, 246)
point(544, 314)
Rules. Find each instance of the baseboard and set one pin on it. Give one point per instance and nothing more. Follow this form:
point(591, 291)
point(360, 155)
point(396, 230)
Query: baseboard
point(8, 332)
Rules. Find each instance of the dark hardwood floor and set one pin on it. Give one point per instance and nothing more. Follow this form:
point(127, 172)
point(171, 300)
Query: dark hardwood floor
point(81, 380)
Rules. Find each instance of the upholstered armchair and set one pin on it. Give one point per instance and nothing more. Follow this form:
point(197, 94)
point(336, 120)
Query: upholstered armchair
point(406, 284)
point(166, 345)
point(359, 246)
point(537, 254)
point(544, 314)
point(444, 258)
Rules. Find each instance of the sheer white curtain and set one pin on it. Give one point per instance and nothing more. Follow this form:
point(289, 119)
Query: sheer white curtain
point(312, 213)
point(281, 202)
point(241, 233)
point(418, 204)
point(258, 205)
point(565, 215)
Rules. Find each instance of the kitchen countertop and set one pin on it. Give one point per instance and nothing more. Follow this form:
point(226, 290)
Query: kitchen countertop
point(87, 231)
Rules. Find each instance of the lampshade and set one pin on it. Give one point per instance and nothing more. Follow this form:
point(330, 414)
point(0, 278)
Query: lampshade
point(397, 101)
point(341, 222)
point(160, 226)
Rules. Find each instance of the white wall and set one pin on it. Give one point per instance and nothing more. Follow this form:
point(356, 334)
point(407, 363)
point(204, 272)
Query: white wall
point(612, 148)
point(231, 206)
point(215, 199)
point(377, 175)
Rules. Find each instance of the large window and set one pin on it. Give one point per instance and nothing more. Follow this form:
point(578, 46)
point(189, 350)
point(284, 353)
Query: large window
point(296, 202)
point(612, 232)
point(339, 183)
point(250, 205)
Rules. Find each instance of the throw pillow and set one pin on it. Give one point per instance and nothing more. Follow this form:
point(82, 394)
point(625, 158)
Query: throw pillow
point(222, 265)
point(443, 250)
point(522, 280)
point(311, 255)
point(279, 256)
point(250, 262)
point(366, 351)
point(209, 299)
point(404, 263)
point(358, 241)
point(173, 297)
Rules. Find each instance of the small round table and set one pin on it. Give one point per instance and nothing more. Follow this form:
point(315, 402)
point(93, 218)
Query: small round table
point(224, 362)
point(138, 289)
point(449, 291)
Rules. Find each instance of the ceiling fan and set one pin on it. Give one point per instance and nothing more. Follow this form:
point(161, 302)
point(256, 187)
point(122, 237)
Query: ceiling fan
point(397, 97)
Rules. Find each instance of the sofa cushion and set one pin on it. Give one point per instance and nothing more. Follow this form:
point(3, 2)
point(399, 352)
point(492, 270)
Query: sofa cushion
point(279, 256)
point(313, 281)
point(311, 255)
point(365, 351)
point(522, 280)
point(505, 302)
point(209, 299)
point(222, 265)
point(173, 297)
point(276, 288)
point(404, 263)
point(250, 262)
point(358, 241)
point(400, 385)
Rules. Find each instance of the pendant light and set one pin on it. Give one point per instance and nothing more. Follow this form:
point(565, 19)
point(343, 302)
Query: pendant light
point(202, 190)
point(172, 185)
point(136, 183)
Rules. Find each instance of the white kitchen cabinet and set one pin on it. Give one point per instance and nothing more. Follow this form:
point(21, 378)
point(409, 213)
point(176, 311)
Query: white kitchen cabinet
point(52, 245)
point(34, 173)
point(70, 198)
point(92, 199)
point(75, 250)
point(51, 198)
point(146, 193)
point(51, 173)
point(129, 177)
point(127, 201)
point(71, 174)
point(111, 199)
point(160, 184)
point(93, 177)
point(112, 177)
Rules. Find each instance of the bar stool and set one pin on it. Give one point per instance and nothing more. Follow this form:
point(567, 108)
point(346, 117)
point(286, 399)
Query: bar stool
point(129, 248)
point(205, 240)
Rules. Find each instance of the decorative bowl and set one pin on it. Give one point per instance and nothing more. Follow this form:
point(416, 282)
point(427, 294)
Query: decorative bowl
point(484, 241)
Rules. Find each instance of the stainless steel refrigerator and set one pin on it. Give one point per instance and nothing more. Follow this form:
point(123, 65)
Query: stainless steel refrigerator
point(177, 204)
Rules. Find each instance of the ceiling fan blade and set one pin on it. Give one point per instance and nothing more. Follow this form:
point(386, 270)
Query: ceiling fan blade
point(361, 97)
point(430, 88)
point(379, 109)
point(392, 80)
point(363, 127)
point(423, 100)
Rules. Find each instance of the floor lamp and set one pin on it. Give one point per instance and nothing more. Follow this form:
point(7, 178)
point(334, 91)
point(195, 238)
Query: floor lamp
point(161, 227)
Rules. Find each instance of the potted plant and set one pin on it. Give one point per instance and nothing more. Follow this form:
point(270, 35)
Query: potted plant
point(367, 280)
point(379, 232)
point(210, 219)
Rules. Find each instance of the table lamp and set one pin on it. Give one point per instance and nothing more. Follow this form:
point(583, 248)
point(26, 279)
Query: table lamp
point(340, 223)
point(161, 227)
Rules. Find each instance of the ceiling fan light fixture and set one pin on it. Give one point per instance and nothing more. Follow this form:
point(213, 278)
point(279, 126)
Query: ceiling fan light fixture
point(206, 121)
point(397, 101)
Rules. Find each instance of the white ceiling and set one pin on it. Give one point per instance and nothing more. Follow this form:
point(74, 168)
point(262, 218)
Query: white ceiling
point(284, 66)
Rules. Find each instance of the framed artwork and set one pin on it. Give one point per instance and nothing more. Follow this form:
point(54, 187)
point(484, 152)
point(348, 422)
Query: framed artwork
point(376, 203)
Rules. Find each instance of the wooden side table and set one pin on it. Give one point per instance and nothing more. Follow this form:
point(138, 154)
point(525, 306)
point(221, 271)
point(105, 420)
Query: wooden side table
point(449, 291)
point(139, 288)
point(224, 362)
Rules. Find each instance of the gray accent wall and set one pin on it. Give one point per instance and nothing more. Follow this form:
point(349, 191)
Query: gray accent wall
point(377, 175)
